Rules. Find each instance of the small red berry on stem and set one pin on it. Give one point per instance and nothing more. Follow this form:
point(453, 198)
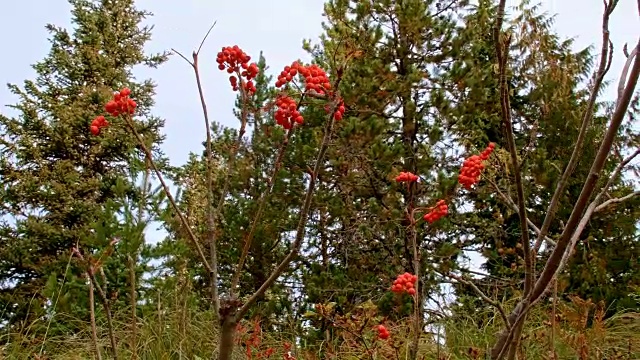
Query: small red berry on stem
point(437, 212)
point(121, 103)
point(339, 111)
point(97, 124)
point(287, 114)
point(289, 72)
point(315, 78)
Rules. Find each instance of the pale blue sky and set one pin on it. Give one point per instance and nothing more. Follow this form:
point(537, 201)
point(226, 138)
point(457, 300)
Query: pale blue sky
point(276, 27)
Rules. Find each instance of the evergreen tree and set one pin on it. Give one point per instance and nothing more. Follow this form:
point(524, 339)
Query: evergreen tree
point(547, 80)
point(60, 182)
point(362, 239)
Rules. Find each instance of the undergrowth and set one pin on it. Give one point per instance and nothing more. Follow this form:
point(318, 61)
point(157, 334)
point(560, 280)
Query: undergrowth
point(579, 331)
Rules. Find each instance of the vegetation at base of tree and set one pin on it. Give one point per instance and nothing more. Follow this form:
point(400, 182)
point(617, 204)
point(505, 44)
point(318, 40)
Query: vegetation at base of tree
point(284, 236)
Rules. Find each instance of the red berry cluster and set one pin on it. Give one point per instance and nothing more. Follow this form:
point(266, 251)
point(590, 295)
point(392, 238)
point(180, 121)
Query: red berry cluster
point(287, 75)
point(232, 58)
point(287, 114)
point(473, 166)
point(315, 78)
point(121, 103)
point(383, 333)
point(404, 283)
point(98, 123)
point(441, 209)
point(406, 177)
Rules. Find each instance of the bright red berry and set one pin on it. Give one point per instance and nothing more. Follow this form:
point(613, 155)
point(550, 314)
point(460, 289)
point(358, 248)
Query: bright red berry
point(315, 78)
point(404, 283)
point(98, 123)
point(121, 103)
point(234, 60)
point(339, 111)
point(440, 210)
point(287, 114)
point(383, 333)
point(472, 167)
point(406, 177)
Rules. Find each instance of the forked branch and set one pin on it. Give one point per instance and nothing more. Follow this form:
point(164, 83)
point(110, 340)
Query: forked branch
point(304, 214)
point(258, 215)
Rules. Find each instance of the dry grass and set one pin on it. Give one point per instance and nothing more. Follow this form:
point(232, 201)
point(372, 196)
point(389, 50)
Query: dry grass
point(578, 332)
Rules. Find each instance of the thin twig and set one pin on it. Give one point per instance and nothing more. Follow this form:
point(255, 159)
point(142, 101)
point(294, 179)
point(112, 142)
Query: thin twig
point(616, 201)
point(417, 303)
point(205, 38)
point(167, 191)
point(92, 315)
point(483, 296)
point(502, 55)
point(107, 309)
point(576, 155)
point(258, 215)
point(514, 207)
point(625, 70)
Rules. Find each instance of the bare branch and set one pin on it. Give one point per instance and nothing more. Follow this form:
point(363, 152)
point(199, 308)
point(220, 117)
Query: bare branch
point(594, 207)
point(211, 216)
point(257, 216)
point(182, 56)
point(502, 55)
point(589, 185)
point(603, 67)
point(167, 191)
point(304, 214)
point(508, 339)
point(625, 70)
point(615, 201)
point(212, 212)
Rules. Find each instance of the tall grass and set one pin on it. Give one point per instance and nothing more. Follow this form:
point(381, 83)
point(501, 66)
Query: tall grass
point(579, 331)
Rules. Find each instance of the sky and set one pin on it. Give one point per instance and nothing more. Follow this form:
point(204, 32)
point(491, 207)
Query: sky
point(276, 27)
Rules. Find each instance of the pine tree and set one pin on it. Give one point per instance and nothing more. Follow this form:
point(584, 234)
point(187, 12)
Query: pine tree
point(58, 179)
point(393, 50)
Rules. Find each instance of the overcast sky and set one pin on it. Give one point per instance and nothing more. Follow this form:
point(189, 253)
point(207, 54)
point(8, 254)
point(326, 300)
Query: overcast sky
point(276, 27)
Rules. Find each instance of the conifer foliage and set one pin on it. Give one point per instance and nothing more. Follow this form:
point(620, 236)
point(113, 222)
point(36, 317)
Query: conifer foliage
point(57, 178)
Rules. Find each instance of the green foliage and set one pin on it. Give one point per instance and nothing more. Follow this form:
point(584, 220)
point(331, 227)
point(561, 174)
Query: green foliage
point(61, 186)
point(549, 97)
point(419, 82)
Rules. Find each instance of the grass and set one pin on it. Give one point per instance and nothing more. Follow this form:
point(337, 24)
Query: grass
point(579, 332)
